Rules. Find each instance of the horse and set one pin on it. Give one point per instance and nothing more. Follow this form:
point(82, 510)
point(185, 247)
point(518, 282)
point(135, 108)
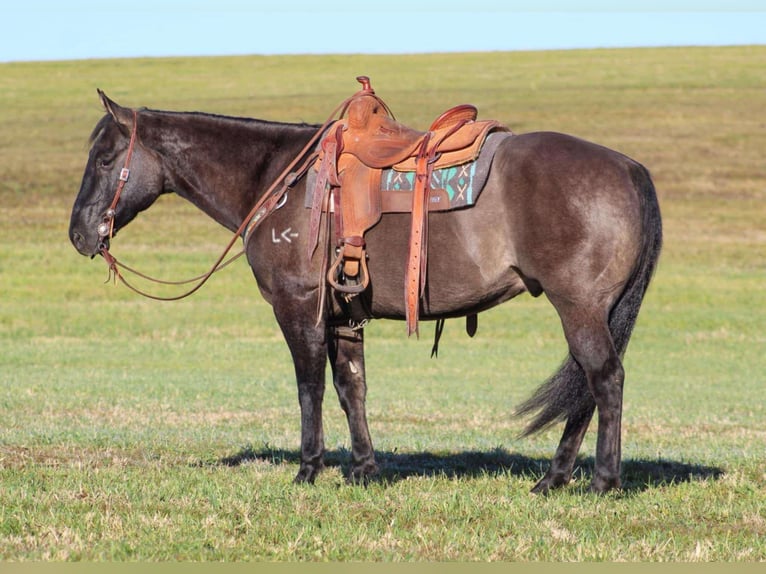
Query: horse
point(557, 215)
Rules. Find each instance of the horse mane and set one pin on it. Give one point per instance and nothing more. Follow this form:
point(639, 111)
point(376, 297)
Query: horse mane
point(107, 119)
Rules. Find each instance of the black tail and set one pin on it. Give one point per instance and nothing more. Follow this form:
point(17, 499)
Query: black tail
point(565, 395)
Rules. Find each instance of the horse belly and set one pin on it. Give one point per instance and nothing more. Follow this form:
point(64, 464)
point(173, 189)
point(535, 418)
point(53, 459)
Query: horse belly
point(470, 261)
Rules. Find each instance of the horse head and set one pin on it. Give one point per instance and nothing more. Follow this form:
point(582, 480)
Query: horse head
point(122, 178)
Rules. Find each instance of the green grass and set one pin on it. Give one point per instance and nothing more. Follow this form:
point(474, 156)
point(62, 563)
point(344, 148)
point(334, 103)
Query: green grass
point(137, 430)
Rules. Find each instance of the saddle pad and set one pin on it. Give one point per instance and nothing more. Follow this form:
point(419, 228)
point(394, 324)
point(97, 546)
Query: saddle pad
point(462, 183)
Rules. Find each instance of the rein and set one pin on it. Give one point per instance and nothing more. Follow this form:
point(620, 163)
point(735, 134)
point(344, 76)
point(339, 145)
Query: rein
point(269, 202)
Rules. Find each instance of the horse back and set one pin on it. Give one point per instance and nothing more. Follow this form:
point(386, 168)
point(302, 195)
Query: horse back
point(556, 209)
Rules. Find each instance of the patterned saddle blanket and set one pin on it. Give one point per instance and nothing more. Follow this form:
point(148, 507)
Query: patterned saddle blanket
point(451, 187)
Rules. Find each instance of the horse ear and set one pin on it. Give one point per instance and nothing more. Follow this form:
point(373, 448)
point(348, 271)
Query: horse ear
point(123, 116)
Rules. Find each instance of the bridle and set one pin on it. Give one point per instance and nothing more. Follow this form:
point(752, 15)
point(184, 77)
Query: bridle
point(106, 227)
point(271, 200)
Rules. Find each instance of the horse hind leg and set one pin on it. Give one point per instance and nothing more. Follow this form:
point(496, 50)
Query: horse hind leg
point(591, 345)
point(598, 386)
point(346, 354)
point(562, 465)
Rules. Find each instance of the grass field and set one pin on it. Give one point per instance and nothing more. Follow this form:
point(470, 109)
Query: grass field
point(136, 430)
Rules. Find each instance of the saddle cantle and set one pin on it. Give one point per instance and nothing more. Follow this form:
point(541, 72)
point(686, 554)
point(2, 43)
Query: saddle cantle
point(354, 152)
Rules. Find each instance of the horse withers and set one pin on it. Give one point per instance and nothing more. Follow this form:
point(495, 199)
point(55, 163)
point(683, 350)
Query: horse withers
point(557, 215)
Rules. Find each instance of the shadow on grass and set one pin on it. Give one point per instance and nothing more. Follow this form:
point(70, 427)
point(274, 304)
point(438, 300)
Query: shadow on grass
point(637, 475)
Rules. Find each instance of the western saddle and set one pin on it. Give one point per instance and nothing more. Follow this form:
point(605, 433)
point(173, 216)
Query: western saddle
point(353, 154)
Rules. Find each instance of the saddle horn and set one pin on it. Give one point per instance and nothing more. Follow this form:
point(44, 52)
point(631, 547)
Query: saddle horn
point(366, 86)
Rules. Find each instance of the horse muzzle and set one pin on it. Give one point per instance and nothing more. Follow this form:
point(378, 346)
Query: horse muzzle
point(86, 244)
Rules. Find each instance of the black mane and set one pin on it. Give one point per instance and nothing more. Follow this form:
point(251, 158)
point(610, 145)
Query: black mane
point(107, 119)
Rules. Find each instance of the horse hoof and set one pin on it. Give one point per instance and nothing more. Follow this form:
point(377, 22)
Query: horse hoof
point(548, 483)
point(307, 474)
point(363, 474)
point(601, 485)
point(541, 487)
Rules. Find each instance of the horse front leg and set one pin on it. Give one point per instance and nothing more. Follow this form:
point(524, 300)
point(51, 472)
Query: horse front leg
point(346, 352)
point(308, 346)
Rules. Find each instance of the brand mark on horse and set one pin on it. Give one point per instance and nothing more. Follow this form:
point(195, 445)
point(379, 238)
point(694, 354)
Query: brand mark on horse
point(287, 235)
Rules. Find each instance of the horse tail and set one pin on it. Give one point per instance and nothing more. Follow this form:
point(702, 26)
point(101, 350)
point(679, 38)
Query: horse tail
point(566, 395)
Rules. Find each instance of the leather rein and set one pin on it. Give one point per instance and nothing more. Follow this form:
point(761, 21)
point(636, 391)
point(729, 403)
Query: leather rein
point(269, 202)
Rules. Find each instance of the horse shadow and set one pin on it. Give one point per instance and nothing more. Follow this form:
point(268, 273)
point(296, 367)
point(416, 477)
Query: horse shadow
point(637, 474)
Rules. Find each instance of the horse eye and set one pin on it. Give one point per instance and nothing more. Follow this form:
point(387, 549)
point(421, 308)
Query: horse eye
point(105, 162)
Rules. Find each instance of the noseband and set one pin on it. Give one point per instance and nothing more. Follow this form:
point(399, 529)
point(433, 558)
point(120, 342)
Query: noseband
point(106, 227)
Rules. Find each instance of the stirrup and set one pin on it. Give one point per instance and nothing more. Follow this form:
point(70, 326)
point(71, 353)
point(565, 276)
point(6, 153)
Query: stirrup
point(363, 276)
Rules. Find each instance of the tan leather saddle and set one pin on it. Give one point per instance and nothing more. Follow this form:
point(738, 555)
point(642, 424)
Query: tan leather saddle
point(353, 154)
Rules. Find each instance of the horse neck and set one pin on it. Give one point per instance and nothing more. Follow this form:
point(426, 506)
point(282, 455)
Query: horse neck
point(223, 164)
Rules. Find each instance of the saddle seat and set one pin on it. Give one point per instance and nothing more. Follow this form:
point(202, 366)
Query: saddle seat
point(379, 141)
point(353, 154)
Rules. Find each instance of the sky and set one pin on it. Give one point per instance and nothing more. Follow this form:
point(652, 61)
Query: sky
point(34, 30)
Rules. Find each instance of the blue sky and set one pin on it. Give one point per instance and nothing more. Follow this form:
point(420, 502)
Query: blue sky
point(84, 29)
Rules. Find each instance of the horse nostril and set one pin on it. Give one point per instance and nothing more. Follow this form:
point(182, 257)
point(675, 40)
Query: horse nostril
point(78, 239)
